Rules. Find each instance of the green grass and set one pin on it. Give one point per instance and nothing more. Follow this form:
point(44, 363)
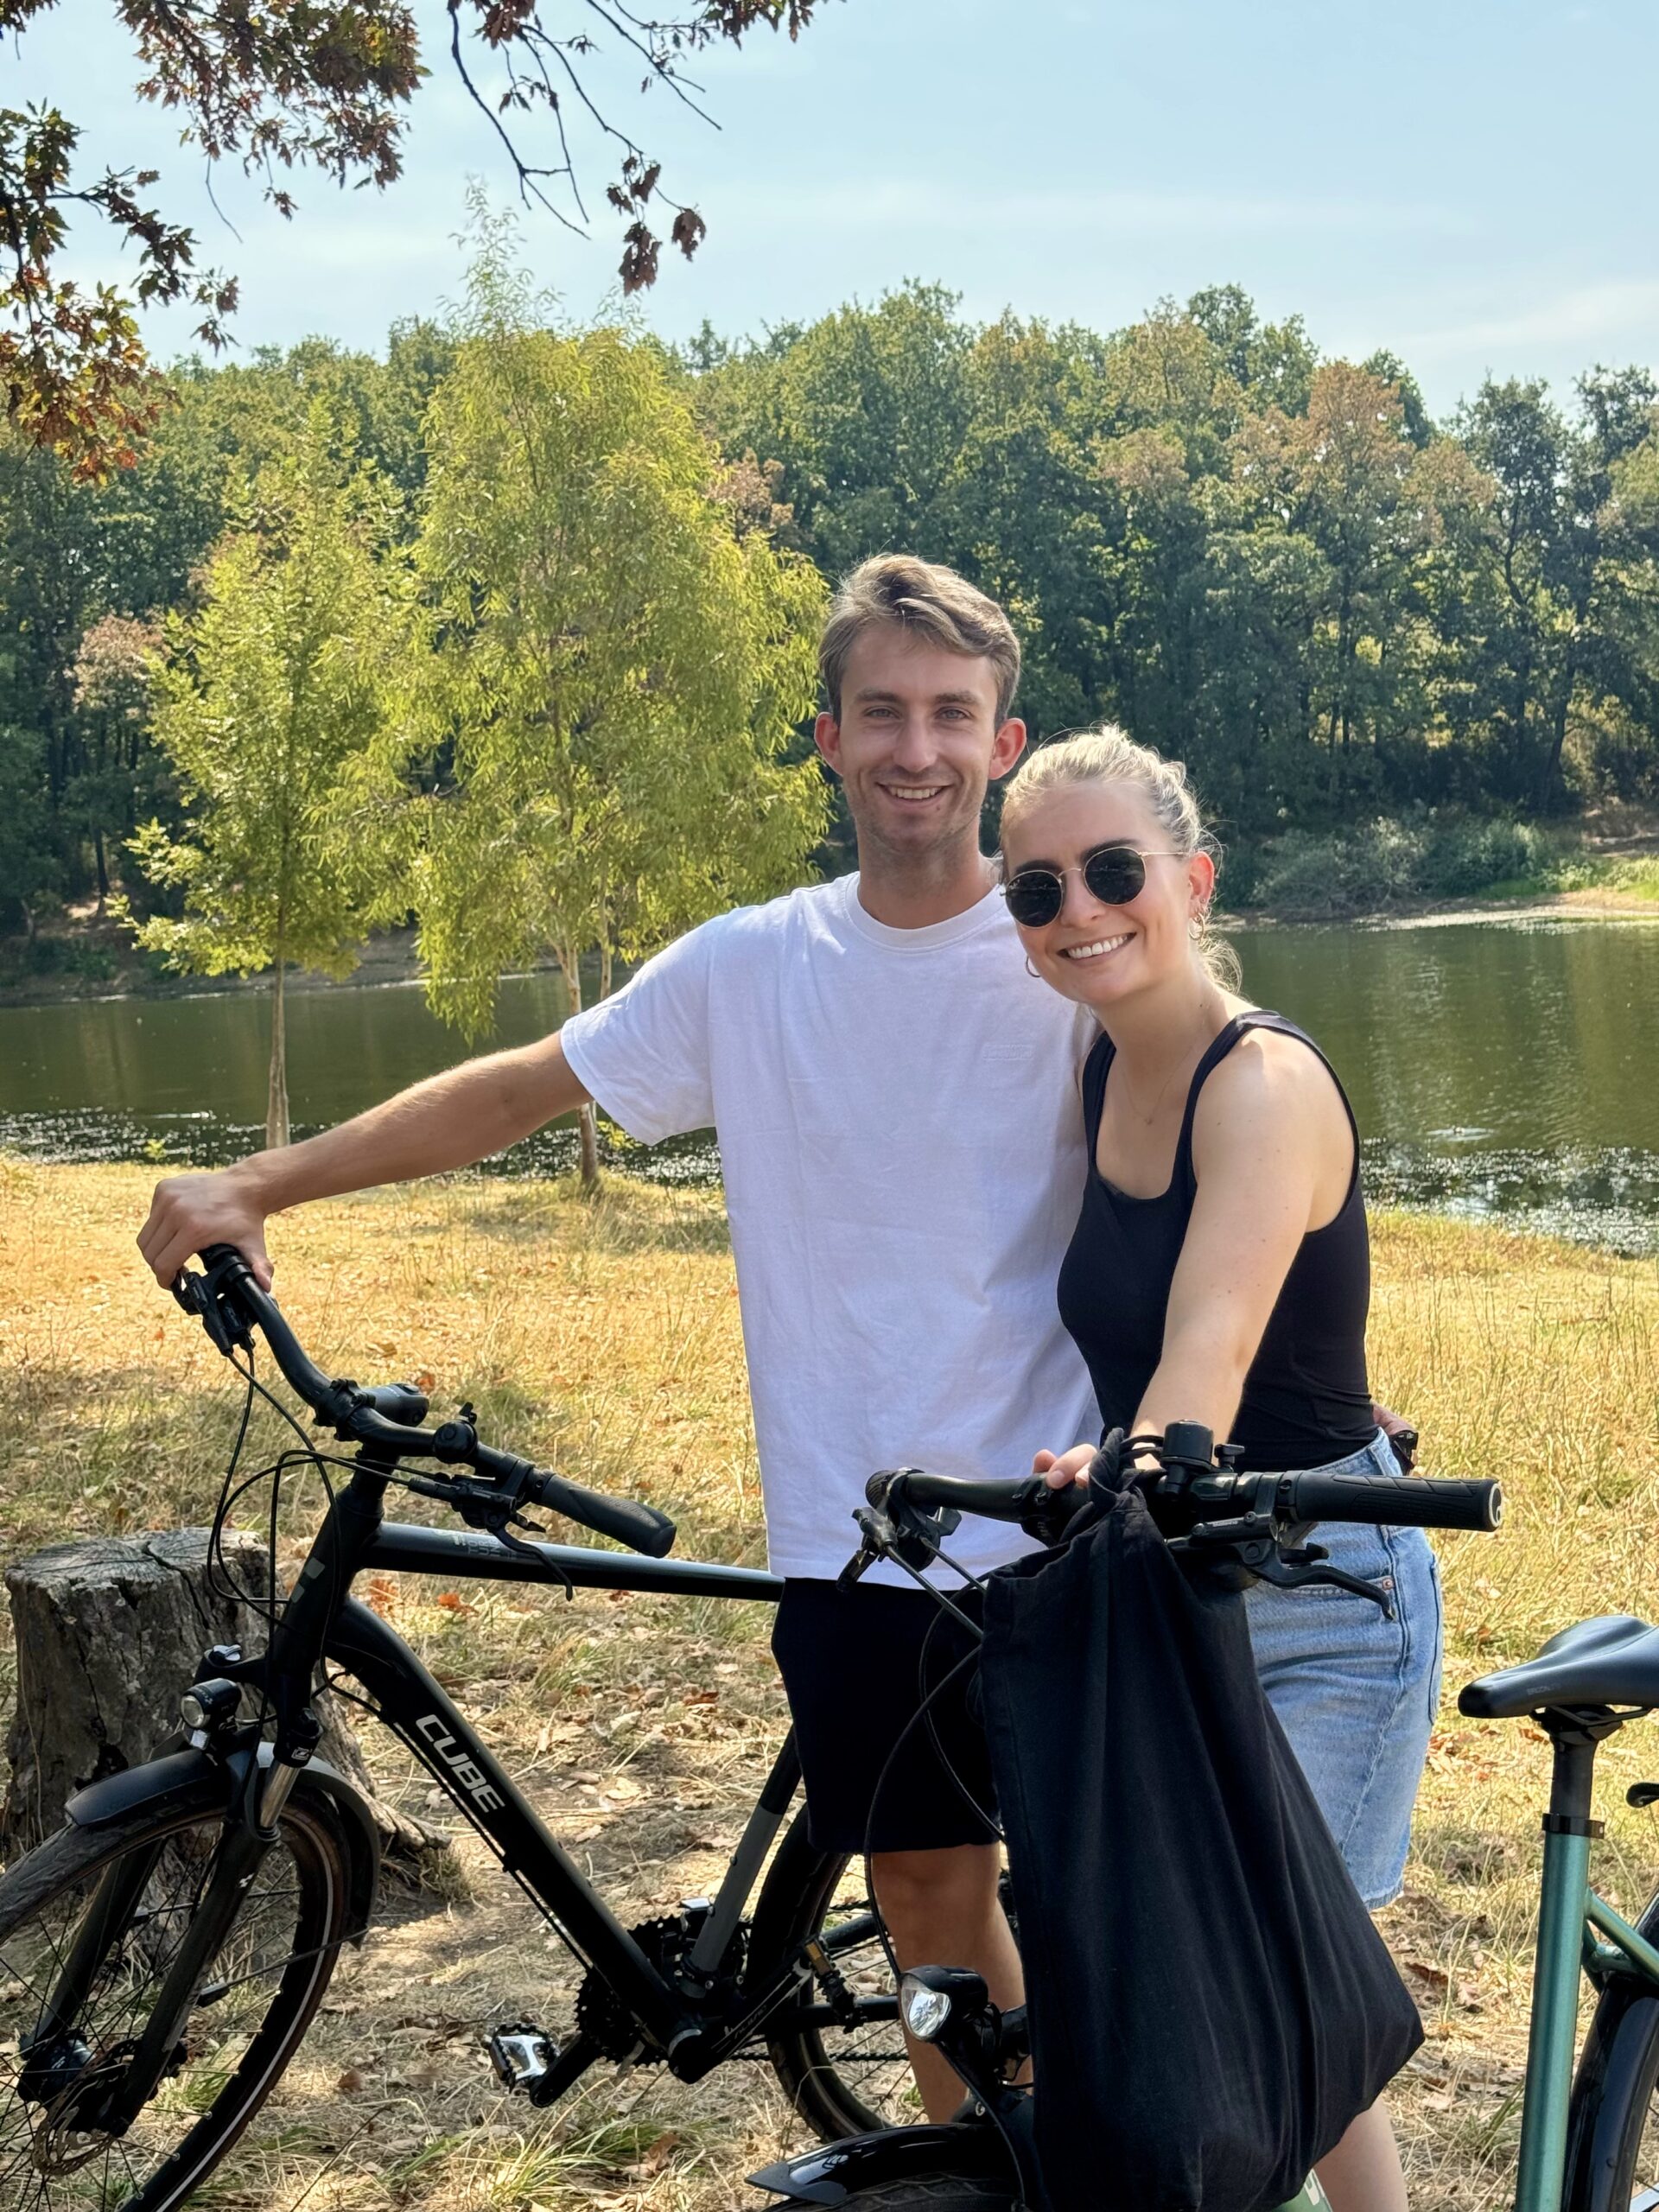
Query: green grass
point(1629, 878)
point(1384, 862)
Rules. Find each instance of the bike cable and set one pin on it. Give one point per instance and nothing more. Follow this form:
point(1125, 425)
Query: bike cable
point(968, 1659)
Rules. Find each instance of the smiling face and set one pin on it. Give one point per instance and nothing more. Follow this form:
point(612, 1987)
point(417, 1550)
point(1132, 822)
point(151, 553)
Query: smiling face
point(916, 745)
point(1097, 954)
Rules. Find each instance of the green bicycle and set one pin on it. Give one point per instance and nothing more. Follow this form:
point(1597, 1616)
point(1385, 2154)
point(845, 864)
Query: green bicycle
point(1587, 2142)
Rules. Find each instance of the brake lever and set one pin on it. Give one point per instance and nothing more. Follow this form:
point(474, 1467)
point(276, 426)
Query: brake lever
point(199, 1296)
point(911, 1534)
point(1258, 1551)
point(1288, 1572)
point(484, 1510)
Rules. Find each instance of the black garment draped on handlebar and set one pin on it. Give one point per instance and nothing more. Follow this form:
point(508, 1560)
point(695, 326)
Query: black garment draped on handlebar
point(1210, 2003)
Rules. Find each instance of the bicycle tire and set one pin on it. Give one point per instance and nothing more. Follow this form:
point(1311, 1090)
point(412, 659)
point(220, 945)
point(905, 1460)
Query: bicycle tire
point(840, 2082)
point(272, 1972)
point(1613, 2141)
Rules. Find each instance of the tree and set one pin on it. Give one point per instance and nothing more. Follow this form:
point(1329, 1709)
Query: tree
point(619, 669)
point(113, 669)
point(28, 866)
point(1542, 549)
point(1342, 475)
point(274, 696)
point(325, 84)
point(1272, 363)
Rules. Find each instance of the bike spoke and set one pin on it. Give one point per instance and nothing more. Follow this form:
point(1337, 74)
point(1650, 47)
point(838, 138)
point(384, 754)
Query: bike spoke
point(40, 2170)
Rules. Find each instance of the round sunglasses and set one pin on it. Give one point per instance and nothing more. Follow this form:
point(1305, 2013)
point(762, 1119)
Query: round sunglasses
point(1113, 874)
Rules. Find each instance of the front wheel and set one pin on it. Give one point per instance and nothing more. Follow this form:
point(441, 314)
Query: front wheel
point(104, 1911)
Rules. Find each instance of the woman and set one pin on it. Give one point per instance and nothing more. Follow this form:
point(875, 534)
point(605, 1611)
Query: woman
point(1220, 1273)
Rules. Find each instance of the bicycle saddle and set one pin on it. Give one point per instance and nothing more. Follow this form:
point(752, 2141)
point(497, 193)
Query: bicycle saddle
point(1614, 1661)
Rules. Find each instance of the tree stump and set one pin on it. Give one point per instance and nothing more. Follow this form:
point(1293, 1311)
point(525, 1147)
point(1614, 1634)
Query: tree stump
point(110, 1630)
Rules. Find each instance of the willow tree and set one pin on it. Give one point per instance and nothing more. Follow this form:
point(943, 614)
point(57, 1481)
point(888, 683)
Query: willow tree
point(618, 666)
point(269, 709)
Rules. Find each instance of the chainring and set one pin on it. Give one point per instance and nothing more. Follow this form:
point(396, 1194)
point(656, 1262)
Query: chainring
point(606, 2021)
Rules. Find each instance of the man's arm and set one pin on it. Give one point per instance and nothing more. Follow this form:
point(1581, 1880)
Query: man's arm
point(449, 1120)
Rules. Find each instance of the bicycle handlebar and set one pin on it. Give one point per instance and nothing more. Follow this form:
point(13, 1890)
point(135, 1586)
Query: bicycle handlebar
point(386, 1418)
point(1400, 1500)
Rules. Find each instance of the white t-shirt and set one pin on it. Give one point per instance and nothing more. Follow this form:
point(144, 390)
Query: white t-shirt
point(901, 1138)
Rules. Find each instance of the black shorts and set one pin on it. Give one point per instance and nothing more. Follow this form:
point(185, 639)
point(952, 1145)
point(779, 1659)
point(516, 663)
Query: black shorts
point(851, 1662)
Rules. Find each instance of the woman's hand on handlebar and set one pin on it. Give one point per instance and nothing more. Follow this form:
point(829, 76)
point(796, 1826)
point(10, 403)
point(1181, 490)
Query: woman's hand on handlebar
point(1061, 1468)
point(189, 1212)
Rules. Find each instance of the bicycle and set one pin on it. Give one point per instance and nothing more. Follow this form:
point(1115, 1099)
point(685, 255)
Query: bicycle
point(1233, 1526)
point(163, 1955)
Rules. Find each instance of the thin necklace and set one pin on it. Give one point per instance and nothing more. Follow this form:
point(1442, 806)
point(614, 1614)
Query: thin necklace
point(1146, 1120)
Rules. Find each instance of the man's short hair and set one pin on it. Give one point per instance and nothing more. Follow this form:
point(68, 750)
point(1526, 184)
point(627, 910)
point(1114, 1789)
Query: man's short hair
point(932, 602)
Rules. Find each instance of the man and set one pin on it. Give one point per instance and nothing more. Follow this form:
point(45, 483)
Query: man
point(899, 1127)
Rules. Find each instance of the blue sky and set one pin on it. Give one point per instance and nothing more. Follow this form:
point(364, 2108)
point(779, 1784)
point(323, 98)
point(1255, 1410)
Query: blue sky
point(1470, 182)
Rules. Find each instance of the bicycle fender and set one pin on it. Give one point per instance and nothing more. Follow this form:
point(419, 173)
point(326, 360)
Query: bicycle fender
point(159, 1784)
point(176, 1779)
point(970, 2148)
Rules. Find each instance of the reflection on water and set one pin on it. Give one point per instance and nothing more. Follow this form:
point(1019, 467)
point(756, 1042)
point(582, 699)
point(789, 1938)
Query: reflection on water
point(1496, 1070)
point(182, 1081)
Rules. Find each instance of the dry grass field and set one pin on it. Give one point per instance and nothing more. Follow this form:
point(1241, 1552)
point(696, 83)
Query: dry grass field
point(603, 1337)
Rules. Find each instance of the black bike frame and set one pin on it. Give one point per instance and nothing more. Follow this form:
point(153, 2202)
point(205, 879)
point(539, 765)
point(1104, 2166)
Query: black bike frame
point(323, 1621)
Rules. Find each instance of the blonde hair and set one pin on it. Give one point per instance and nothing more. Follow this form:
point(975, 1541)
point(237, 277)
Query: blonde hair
point(899, 591)
point(1110, 755)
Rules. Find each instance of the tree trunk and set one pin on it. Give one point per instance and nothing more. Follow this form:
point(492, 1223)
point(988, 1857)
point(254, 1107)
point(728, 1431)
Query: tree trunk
point(1549, 780)
point(586, 1134)
point(277, 1104)
point(110, 1630)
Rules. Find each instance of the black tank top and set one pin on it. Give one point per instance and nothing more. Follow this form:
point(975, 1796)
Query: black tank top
point(1307, 1397)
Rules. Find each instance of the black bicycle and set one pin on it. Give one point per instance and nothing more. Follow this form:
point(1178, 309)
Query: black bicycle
point(1223, 1525)
point(162, 1956)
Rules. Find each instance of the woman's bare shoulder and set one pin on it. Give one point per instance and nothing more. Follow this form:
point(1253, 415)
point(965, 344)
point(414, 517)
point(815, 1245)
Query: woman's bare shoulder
point(1271, 1075)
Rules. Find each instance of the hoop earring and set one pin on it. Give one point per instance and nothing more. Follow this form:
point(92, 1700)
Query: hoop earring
point(1031, 971)
point(1198, 923)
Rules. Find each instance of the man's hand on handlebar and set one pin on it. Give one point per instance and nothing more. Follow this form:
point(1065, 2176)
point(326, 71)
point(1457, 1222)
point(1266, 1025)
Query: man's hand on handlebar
point(189, 1212)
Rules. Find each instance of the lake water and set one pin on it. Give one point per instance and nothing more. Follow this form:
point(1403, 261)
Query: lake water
point(1498, 1069)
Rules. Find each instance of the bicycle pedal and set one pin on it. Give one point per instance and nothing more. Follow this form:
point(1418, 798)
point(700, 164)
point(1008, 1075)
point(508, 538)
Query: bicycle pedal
point(522, 2057)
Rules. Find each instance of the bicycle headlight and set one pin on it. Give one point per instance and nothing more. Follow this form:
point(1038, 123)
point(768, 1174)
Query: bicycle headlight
point(210, 1705)
point(925, 2010)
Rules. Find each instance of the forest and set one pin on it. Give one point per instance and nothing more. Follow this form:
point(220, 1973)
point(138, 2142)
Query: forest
point(1275, 564)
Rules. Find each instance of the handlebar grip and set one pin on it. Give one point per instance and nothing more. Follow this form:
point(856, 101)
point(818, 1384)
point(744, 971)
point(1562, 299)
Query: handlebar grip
point(642, 1528)
point(1027, 1501)
point(1404, 1501)
point(991, 1501)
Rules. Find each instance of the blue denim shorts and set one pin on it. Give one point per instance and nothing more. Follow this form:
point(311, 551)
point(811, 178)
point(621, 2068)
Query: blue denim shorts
point(1356, 1692)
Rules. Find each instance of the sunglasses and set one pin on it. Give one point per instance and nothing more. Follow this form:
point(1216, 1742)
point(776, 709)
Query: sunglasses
point(1113, 874)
